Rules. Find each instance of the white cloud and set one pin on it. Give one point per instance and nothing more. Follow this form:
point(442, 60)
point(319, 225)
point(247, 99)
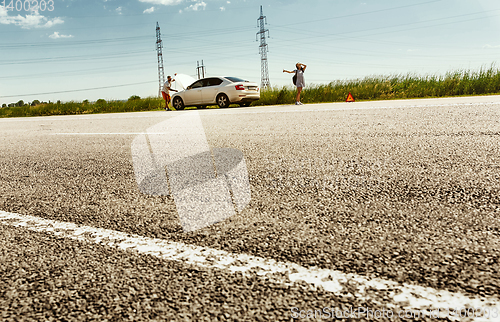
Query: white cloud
point(163, 2)
point(491, 46)
point(34, 20)
point(56, 35)
point(197, 6)
point(224, 8)
point(119, 10)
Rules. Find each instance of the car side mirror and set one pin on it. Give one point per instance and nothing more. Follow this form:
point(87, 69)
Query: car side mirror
point(189, 87)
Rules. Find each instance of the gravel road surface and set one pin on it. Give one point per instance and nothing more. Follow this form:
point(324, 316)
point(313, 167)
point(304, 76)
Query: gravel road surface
point(404, 191)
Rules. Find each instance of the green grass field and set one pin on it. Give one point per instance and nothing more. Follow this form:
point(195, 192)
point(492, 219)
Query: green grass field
point(458, 83)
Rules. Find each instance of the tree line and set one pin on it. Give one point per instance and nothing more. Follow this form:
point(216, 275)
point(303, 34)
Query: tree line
point(21, 103)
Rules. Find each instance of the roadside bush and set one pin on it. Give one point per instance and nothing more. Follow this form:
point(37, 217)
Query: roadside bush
point(100, 102)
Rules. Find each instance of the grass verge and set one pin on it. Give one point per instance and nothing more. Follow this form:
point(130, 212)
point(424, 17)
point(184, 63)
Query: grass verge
point(458, 83)
point(70, 108)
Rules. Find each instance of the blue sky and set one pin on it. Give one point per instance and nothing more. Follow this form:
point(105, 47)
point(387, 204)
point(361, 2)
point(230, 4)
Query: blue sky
point(97, 48)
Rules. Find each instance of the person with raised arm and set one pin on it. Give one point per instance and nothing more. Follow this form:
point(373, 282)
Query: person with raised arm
point(298, 79)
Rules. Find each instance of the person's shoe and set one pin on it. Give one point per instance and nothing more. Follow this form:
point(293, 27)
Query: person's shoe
point(300, 103)
point(297, 103)
point(166, 109)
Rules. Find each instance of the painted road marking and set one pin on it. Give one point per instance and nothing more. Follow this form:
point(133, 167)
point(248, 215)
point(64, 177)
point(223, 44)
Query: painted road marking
point(404, 295)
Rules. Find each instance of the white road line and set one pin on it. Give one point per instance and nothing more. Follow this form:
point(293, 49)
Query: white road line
point(102, 133)
point(403, 295)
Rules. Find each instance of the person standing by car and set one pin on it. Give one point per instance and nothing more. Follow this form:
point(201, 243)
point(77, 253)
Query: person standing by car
point(299, 80)
point(165, 92)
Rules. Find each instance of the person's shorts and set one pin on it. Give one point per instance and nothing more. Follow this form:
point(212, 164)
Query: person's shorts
point(166, 96)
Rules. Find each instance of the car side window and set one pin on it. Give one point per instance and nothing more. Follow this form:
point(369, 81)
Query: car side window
point(214, 81)
point(197, 84)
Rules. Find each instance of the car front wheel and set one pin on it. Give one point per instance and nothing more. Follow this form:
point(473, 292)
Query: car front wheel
point(178, 103)
point(223, 101)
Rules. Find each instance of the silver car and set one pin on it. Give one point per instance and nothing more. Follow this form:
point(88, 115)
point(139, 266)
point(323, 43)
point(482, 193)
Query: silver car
point(222, 91)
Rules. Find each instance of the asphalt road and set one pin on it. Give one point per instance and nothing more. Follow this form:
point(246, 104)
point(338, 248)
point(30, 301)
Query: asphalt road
point(406, 191)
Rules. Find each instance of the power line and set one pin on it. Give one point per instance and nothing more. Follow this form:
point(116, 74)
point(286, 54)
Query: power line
point(216, 31)
point(79, 90)
point(86, 27)
point(202, 34)
point(100, 70)
point(435, 25)
point(324, 35)
point(72, 58)
point(357, 14)
point(151, 14)
point(81, 42)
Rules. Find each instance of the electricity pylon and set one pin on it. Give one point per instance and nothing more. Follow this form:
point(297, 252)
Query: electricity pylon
point(264, 70)
point(159, 46)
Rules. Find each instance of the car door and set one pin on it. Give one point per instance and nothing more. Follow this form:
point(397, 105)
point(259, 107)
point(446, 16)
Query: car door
point(192, 94)
point(210, 90)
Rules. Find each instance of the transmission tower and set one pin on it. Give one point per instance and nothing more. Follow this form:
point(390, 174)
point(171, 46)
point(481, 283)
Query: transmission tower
point(200, 70)
point(264, 71)
point(159, 46)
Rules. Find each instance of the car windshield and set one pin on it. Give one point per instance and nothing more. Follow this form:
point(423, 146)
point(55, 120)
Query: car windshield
point(181, 81)
point(235, 79)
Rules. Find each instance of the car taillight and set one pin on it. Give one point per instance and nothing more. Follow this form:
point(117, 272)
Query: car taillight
point(239, 87)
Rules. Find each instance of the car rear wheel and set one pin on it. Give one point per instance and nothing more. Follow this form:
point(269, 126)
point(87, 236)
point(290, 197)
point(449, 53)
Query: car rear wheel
point(178, 103)
point(223, 101)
